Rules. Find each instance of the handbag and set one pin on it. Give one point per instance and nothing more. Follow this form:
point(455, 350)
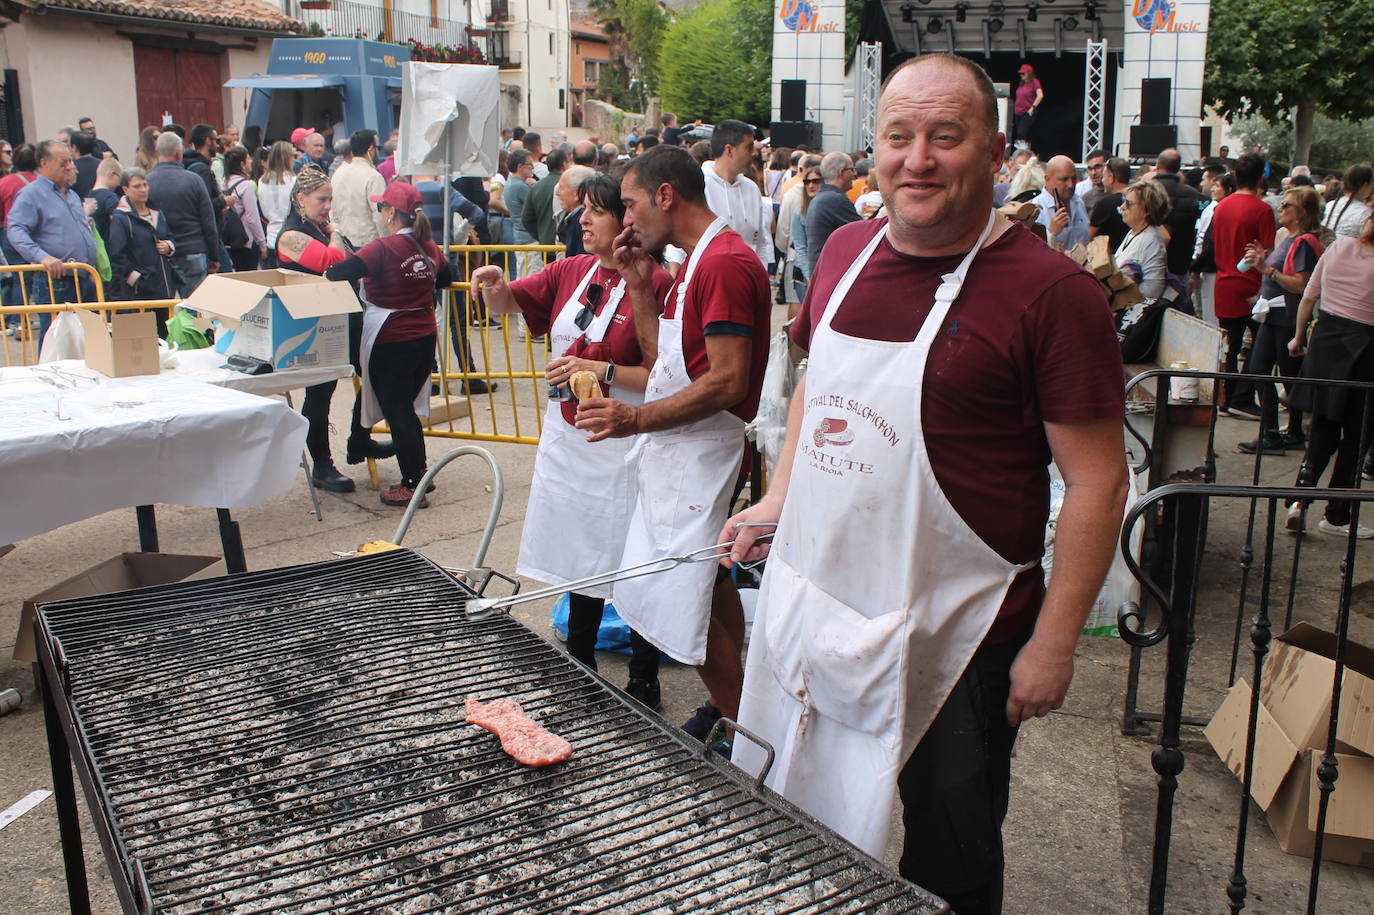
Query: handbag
point(235, 235)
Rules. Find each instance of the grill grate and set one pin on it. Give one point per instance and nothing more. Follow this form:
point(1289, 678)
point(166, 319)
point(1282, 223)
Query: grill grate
point(294, 740)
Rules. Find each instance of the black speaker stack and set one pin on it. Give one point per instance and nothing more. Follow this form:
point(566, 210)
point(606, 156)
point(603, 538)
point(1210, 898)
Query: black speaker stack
point(1155, 132)
point(794, 129)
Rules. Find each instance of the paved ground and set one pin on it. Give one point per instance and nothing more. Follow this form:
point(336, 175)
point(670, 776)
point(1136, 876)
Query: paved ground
point(1083, 797)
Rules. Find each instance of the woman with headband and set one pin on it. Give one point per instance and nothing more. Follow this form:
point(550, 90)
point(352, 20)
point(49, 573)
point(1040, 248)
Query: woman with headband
point(310, 243)
point(399, 272)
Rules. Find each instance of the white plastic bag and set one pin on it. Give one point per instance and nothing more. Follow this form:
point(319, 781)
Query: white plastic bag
point(769, 429)
point(65, 339)
point(1121, 586)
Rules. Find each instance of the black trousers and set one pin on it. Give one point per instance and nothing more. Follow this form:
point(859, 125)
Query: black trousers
point(584, 619)
point(315, 407)
point(955, 789)
point(398, 371)
point(1236, 392)
point(1341, 439)
point(245, 258)
point(1270, 351)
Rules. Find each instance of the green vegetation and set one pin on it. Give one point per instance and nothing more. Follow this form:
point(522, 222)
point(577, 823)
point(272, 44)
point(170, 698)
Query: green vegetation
point(1286, 62)
point(721, 62)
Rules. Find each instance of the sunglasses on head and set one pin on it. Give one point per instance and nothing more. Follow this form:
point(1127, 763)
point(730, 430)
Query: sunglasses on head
point(584, 317)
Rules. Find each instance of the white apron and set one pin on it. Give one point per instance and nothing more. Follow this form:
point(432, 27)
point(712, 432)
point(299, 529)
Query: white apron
point(582, 493)
point(684, 478)
point(876, 593)
point(373, 320)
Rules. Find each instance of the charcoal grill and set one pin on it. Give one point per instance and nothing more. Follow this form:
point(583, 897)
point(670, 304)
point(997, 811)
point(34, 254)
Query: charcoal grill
point(293, 740)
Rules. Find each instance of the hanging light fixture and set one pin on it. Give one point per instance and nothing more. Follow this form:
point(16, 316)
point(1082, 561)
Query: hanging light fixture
point(934, 26)
point(961, 12)
point(1032, 11)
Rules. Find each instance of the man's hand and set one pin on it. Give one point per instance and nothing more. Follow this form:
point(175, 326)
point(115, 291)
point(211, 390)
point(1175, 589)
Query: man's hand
point(746, 546)
point(1060, 221)
point(1040, 678)
point(606, 417)
point(490, 277)
point(211, 267)
point(56, 269)
point(90, 206)
point(633, 262)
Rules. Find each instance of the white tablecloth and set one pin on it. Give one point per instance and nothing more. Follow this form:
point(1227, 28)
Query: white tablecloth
point(74, 445)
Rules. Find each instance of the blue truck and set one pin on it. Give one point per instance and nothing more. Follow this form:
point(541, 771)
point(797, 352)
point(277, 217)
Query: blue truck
point(332, 85)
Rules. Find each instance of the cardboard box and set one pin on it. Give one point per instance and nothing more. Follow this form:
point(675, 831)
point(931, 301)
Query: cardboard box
point(441, 412)
point(125, 346)
point(1100, 261)
point(1296, 688)
point(283, 317)
point(1284, 783)
point(125, 571)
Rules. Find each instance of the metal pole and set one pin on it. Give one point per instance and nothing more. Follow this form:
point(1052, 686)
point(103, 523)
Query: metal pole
point(446, 318)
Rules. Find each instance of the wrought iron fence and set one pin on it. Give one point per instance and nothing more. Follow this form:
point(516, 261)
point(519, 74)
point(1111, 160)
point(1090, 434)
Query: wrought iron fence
point(1175, 561)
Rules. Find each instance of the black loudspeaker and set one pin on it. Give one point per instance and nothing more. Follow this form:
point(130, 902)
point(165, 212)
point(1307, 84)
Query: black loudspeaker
point(1152, 139)
point(1206, 141)
point(796, 133)
point(792, 106)
point(1154, 100)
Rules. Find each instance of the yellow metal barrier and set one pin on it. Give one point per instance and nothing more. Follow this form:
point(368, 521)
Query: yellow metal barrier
point(25, 337)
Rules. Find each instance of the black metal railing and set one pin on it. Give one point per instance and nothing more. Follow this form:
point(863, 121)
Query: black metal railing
point(1178, 561)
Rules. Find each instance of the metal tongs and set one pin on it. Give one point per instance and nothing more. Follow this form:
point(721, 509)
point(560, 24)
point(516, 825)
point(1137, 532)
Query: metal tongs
point(483, 607)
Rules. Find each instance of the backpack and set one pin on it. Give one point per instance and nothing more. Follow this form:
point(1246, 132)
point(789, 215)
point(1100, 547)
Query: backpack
point(232, 233)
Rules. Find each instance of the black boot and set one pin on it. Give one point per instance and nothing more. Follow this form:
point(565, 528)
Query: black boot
point(328, 478)
point(360, 450)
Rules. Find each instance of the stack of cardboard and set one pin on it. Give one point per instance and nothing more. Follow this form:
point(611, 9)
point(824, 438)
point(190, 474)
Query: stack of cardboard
point(1096, 258)
point(1026, 214)
point(1290, 738)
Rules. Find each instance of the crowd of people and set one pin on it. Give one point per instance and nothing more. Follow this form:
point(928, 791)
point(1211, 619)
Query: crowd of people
point(905, 628)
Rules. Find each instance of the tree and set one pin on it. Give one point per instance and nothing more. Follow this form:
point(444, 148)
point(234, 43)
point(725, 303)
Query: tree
point(636, 29)
point(1336, 145)
point(1277, 60)
point(722, 61)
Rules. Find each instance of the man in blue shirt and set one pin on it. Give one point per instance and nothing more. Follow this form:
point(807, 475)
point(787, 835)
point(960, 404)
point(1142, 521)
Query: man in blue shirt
point(1061, 211)
point(831, 207)
point(48, 226)
point(181, 197)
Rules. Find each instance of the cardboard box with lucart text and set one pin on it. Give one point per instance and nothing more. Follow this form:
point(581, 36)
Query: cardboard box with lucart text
point(121, 573)
point(290, 319)
point(124, 347)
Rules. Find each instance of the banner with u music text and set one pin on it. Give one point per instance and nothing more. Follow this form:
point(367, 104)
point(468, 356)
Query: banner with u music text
point(1165, 38)
point(808, 43)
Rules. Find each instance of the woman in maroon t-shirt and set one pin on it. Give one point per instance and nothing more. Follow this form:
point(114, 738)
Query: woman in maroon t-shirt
point(582, 493)
point(399, 273)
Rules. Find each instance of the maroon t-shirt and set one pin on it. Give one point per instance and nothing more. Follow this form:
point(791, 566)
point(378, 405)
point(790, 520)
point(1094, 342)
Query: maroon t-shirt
point(729, 286)
point(400, 275)
point(1030, 340)
point(542, 297)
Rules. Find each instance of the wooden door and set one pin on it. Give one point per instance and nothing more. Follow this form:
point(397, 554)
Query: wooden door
point(188, 84)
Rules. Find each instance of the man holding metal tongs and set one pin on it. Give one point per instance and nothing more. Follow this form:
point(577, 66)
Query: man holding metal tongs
point(709, 345)
point(904, 629)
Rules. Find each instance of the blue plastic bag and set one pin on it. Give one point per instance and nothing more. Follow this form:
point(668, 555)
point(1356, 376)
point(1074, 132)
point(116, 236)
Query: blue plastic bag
point(614, 634)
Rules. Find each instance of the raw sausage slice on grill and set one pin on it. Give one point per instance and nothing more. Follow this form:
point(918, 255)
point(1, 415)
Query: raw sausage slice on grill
point(522, 737)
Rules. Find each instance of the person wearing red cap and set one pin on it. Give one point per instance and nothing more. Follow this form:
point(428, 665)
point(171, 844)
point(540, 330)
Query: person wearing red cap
point(1029, 95)
point(298, 137)
point(400, 272)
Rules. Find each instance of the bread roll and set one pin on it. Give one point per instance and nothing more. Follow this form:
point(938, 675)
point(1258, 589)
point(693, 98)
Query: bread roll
point(585, 385)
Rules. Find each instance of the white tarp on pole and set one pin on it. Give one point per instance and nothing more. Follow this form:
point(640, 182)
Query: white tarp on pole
point(449, 112)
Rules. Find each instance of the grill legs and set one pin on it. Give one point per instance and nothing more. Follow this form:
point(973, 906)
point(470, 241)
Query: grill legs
point(64, 793)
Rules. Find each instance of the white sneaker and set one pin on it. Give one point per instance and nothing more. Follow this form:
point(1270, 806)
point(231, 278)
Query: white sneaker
point(1343, 530)
point(1294, 521)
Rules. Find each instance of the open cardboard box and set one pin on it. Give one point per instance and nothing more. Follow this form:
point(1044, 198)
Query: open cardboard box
point(283, 317)
point(1290, 737)
point(121, 573)
point(126, 346)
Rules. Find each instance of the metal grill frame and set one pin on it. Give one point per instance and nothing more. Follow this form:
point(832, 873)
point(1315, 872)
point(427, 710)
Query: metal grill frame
point(70, 740)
